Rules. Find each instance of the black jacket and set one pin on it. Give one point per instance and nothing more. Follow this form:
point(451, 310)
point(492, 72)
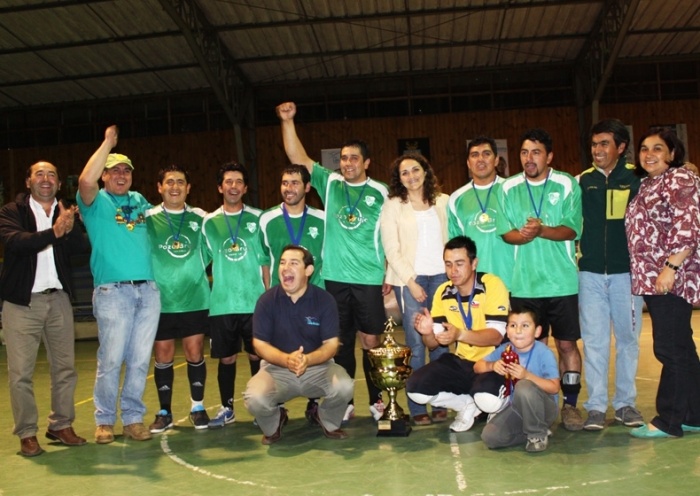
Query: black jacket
point(23, 243)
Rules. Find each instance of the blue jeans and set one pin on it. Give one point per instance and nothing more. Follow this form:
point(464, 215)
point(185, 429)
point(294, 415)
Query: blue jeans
point(127, 320)
point(409, 307)
point(606, 299)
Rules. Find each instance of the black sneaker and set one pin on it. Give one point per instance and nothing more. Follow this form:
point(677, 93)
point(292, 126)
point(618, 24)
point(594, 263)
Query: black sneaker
point(199, 418)
point(162, 423)
point(311, 412)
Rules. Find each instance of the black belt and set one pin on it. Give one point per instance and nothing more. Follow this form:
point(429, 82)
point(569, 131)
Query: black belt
point(133, 283)
point(48, 291)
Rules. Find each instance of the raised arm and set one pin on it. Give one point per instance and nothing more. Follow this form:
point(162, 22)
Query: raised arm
point(88, 185)
point(292, 146)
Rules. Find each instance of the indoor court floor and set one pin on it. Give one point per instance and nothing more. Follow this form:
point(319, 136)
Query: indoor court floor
point(431, 461)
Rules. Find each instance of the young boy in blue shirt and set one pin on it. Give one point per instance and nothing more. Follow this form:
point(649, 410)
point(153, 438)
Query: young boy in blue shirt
point(525, 415)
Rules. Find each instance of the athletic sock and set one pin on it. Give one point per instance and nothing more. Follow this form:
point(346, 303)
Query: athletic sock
point(164, 376)
point(197, 375)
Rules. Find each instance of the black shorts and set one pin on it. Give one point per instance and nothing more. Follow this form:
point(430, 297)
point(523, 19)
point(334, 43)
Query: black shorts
point(228, 331)
point(558, 312)
point(182, 325)
point(360, 306)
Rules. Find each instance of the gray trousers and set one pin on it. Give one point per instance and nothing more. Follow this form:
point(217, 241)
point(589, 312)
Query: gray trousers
point(273, 385)
point(528, 415)
point(49, 318)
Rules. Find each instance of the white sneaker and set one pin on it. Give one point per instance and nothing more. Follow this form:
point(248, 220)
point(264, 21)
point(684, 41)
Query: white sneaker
point(377, 409)
point(349, 414)
point(465, 418)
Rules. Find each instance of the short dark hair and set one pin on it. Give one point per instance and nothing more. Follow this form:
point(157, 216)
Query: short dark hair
point(232, 166)
point(615, 127)
point(539, 135)
point(307, 257)
point(29, 169)
point(357, 143)
point(459, 242)
point(430, 184)
point(298, 169)
point(673, 142)
point(521, 308)
point(482, 140)
point(173, 168)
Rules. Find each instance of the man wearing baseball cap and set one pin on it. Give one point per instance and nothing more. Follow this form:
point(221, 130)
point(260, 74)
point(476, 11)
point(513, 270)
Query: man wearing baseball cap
point(126, 300)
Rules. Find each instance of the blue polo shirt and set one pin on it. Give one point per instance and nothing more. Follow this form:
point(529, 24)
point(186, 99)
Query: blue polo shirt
point(286, 325)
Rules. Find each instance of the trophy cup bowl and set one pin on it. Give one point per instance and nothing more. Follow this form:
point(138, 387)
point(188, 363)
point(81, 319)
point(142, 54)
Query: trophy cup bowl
point(390, 371)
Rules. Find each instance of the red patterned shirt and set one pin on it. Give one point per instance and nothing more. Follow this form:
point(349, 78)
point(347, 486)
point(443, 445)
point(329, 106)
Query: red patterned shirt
point(664, 218)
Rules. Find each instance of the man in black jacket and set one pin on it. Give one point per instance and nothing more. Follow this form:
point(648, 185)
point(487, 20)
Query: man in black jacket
point(39, 234)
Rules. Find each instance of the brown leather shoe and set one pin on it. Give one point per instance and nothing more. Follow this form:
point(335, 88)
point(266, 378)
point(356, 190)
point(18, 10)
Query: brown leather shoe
point(422, 419)
point(336, 434)
point(29, 446)
point(104, 434)
point(277, 435)
point(66, 436)
point(439, 415)
point(137, 431)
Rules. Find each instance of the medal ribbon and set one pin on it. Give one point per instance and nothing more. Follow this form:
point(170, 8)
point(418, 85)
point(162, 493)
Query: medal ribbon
point(467, 318)
point(538, 211)
point(295, 237)
point(483, 206)
point(176, 236)
point(349, 210)
point(233, 236)
point(126, 210)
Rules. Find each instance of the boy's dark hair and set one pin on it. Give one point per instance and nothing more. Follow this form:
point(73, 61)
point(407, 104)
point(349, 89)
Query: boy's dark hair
point(462, 242)
point(298, 169)
point(173, 168)
point(231, 167)
point(307, 257)
point(521, 308)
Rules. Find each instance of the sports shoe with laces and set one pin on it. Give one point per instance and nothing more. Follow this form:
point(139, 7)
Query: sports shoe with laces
point(224, 416)
point(377, 409)
point(536, 444)
point(571, 418)
point(162, 423)
point(465, 418)
point(595, 421)
point(629, 416)
point(137, 431)
point(199, 417)
point(349, 414)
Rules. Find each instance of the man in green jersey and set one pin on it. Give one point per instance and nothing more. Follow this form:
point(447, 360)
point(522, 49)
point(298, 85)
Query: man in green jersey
point(542, 218)
point(473, 208)
point(179, 266)
point(240, 277)
point(353, 256)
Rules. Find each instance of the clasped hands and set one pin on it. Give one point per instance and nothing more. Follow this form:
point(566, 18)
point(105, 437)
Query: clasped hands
point(297, 362)
point(513, 370)
point(531, 229)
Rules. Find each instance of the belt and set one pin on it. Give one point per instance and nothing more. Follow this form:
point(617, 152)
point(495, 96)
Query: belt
point(47, 291)
point(133, 283)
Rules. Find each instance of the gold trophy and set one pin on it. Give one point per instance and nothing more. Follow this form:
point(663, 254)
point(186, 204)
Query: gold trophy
point(390, 370)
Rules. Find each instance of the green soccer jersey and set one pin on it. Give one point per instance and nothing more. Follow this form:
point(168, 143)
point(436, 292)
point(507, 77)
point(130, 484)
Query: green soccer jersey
point(303, 229)
point(352, 249)
point(472, 211)
point(179, 263)
point(543, 268)
point(233, 243)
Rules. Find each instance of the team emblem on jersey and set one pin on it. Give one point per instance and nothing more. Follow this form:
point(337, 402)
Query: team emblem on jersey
point(251, 226)
point(370, 200)
point(484, 221)
point(234, 252)
point(194, 226)
point(553, 198)
point(313, 232)
point(350, 221)
point(177, 248)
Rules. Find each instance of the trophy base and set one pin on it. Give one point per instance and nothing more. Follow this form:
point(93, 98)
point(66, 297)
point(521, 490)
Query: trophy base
point(394, 428)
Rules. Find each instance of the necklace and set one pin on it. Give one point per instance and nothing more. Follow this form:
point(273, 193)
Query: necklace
point(484, 217)
point(467, 318)
point(350, 211)
point(176, 235)
point(295, 237)
point(538, 211)
point(123, 215)
point(234, 237)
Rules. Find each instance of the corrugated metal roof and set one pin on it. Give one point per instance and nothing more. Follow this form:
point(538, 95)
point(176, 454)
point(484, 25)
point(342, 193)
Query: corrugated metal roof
point(70, 50)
